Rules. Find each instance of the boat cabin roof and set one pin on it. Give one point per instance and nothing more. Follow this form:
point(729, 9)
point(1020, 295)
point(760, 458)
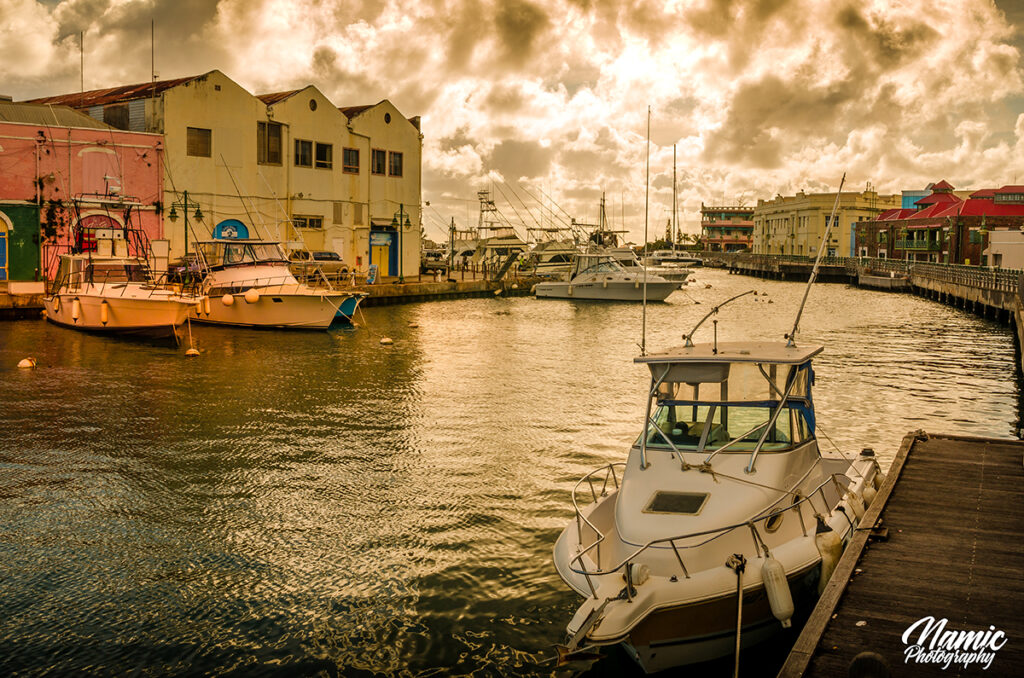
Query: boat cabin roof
point(735, 352)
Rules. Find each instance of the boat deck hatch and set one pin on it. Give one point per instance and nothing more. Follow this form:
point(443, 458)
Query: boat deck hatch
point(677, 502)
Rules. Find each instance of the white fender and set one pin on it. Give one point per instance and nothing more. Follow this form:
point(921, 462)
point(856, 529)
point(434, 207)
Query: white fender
point(227, 300)
point(76, 309)
point(830, 547)
point(251, 296)
point(777, 587)
point(104, 312)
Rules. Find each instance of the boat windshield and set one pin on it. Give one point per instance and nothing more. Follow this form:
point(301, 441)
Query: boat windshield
point(227, 253)
point(107, 272)
point(592, 264)
point(705, 405)
point(685, 425)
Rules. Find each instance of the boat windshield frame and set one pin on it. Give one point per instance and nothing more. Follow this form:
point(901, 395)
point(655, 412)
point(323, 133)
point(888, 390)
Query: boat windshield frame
point(601, 260)
point(786, 380)
point(243, 252)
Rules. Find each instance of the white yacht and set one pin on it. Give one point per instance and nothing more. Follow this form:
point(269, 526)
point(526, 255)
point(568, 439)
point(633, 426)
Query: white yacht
point(249, 284)
point(550, 258)
point(725, 490)
point(600, 276)
point(103, 285)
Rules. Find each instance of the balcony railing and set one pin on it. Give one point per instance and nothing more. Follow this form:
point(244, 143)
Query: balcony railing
point(911, 244)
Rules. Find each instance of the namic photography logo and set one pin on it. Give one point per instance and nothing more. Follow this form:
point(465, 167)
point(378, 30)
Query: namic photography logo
point(931, 641)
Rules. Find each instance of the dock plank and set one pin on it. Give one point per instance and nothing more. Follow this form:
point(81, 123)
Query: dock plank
point(954, 509)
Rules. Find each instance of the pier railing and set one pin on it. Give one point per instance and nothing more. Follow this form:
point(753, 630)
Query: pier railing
point(978, 277)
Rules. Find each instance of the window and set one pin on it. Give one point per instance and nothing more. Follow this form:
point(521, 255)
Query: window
point(378, 161)
point(303, 153)
point(394, 164)
point(199, 142)
point(307, 221)
point(324, 156)
point(350, 160)
point(268, 143)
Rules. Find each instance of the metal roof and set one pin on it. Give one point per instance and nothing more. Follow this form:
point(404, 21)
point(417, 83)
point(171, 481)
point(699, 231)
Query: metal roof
point(736, 352)
point(51, 116)
point(113, 95)
point(273, 98)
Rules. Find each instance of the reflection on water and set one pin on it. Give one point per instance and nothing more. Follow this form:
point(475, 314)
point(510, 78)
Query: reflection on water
point(297, 504)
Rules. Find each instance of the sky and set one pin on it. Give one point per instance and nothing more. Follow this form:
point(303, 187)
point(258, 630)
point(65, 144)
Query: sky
point(550, 99)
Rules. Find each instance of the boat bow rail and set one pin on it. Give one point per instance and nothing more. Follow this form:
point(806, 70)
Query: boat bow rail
point(576, 563)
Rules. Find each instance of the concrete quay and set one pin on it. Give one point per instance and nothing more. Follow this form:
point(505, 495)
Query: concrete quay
point(390, 291)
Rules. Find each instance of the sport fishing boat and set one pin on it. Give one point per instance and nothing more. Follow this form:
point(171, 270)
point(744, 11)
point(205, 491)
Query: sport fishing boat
point(600, 276)
point(104, 285)
point(726, 516)
point(248, 283)
point(550, 258)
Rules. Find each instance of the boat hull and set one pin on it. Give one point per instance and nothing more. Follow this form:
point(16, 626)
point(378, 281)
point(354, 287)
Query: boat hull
point(274, 310)
point(348, 307)
point(609, 291)
point(706, 630)
point(152, 316)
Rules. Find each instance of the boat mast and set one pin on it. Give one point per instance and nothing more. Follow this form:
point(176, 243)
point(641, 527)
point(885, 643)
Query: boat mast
point(817, 263)
point(675, 223)
point(647, 196)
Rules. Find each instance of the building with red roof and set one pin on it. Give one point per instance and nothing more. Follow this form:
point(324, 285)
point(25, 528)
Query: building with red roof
point(985, 228)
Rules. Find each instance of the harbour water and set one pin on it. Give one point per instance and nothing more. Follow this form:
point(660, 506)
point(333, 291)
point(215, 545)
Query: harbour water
point(319, 504)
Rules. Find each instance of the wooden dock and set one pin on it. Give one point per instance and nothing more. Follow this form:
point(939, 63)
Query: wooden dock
point(947, 543)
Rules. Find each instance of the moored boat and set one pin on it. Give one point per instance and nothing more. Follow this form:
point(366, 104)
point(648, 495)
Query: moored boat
point(599, 276)
point(249, 284)
point(105, 283)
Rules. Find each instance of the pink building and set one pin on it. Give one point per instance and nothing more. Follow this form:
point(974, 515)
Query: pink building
point(51, 155)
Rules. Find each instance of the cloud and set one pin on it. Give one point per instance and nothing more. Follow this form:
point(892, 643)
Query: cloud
point(759, 96)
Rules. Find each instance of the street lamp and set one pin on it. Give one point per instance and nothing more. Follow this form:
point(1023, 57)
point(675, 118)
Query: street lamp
point(397, 223)
point(185, 204)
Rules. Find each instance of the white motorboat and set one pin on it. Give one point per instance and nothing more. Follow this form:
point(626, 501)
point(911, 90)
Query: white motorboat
point(102, 286)
point(673, 258)
point(726, 475)
point(726, 516)
point(248, 284)
point(599, 276)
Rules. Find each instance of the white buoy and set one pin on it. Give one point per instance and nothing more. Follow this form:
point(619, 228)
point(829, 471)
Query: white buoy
point(104, 312)
point(777, 586)
point(386, 341)
point(227, 300)
point(879, 479)
point(192, 353)
point(76, 309)
point(638, 572)
point(27, 363)
point(251, 296)
point(830, 548)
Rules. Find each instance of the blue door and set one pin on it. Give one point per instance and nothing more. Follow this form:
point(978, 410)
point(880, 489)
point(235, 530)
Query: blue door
point(853, 238)
point(3, 251)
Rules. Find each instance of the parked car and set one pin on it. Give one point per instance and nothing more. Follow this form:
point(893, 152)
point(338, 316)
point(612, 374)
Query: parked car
point(434, 261)
point(305, 263)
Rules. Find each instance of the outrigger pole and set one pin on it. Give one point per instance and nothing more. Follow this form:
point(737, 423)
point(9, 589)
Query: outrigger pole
point(817, 263)
point(647, 197)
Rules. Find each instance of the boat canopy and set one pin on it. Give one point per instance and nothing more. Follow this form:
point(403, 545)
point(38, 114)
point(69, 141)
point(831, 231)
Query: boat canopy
point(595, 263)
point(224, 253)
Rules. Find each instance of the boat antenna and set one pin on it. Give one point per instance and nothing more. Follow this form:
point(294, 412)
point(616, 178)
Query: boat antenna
point(688, 338)
point(675, 194)
point(817, 263)
point(647, 196)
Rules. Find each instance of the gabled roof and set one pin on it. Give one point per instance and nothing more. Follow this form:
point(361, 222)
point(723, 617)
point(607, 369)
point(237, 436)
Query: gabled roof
point(939, 210)
point(1009, 189)
point(936, 198)
point(44, 114)
point(897, 213)
point(271, 99)
point(113, 95)
point(988, 193)
point(941, 186)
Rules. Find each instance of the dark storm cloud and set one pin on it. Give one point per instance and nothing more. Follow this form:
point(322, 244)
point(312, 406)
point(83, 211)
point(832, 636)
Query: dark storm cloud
point(884, 44)
point(519, 25)
point(516, 159)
